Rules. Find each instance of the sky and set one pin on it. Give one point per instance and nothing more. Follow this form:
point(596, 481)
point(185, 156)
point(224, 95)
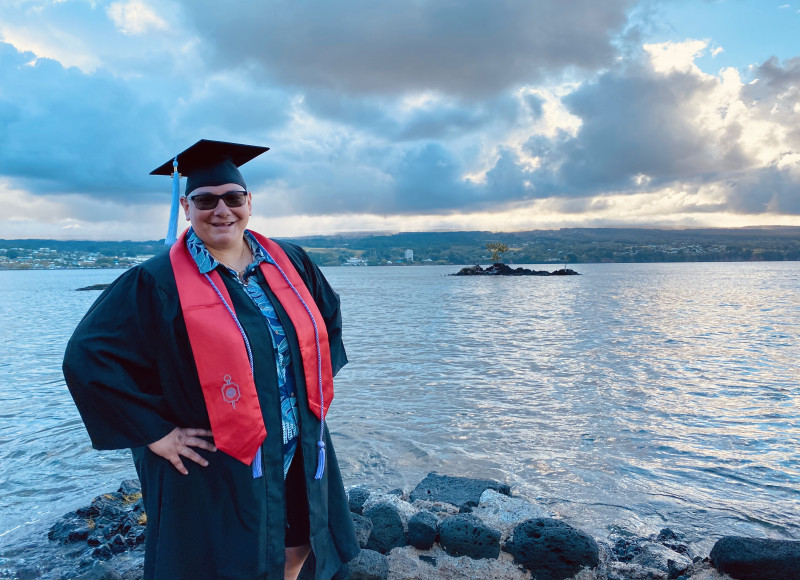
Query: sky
point(414, 115)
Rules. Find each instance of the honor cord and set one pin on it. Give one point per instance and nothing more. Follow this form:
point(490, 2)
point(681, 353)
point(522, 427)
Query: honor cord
point(321, 442)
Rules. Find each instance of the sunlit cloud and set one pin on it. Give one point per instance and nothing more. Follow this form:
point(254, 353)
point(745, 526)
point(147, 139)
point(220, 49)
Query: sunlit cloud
point(435, 120)
point(135, 17)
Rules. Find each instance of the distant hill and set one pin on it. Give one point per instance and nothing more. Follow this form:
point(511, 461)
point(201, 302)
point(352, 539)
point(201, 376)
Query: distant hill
point(570, 245)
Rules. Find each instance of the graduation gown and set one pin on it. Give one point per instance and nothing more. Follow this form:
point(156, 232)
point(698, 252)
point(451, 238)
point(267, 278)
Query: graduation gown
point(130, 369)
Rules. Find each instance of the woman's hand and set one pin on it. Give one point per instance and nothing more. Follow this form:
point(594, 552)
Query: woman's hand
point(179, 442)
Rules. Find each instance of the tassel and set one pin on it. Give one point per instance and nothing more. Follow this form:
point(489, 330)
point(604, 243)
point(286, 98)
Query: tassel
point(172, 229)
point(320, 460)
point(257, 471)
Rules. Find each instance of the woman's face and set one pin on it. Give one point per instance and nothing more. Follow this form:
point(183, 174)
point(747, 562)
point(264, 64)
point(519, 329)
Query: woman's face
point(221, 228)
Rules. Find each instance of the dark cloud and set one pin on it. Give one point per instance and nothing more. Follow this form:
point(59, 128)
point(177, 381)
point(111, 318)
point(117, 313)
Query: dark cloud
point(776, 95)
point(769, 189)
point(635, 123)
point(68, 132)
point(393, 120)
point(329, 86)
point(469, 48)
point(404, 179)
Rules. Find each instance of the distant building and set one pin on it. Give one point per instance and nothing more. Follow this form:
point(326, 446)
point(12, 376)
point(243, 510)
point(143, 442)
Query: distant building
point(355, 262)
point(409, 255)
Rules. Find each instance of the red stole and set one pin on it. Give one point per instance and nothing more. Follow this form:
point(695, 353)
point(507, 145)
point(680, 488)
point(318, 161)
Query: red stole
point(220, 354)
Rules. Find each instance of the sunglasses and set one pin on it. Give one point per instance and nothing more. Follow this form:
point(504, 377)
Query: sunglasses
point(207, 201)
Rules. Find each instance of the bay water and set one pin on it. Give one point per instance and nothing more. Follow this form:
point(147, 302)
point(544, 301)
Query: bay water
point(633, 397)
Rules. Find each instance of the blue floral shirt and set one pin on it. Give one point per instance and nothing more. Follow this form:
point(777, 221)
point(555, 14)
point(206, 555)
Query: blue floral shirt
point(283, 360)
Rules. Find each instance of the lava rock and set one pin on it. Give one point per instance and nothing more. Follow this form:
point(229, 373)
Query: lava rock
point(662, 558)
point(136, 536)
point(130, 487)
point(422, 530)
point(356, 498)
point(756, 558)
point(104, 552)
point(500, 269)
point(117, 544)
point(666, 535)
point(87, 512)
point(129, 522)
point(70, 529)
point(93, 287)
point(458, 491)
point(108, 507)
point(428, 560)
point(467, 535)
point(552, 549)
point(625, 549)
point(363, 527)
point(96, 538)
point(503, 512)
point(676, 570)
point(369, 565)
point(387, 528)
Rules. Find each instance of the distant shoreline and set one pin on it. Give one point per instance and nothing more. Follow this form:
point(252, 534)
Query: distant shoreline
point(564, 246)
point(26, 268)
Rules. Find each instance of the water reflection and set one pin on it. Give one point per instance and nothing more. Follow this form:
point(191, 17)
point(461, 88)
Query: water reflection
point(628, 385)
point(640, 396)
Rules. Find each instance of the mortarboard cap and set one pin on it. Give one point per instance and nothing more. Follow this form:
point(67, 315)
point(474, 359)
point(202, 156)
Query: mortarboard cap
point(205, 163)
point(211, 163)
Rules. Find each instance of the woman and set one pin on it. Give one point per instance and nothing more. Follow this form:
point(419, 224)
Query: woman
point(214, 363)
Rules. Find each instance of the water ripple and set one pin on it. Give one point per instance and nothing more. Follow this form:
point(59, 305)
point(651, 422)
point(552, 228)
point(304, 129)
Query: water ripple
point(636, 396)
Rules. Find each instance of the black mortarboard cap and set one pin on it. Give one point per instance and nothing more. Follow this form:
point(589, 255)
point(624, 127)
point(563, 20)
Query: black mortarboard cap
point(205, 163)
point(211, 163)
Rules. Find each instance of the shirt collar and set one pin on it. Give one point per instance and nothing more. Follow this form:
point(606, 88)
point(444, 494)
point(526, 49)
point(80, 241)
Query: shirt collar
point(206, 262)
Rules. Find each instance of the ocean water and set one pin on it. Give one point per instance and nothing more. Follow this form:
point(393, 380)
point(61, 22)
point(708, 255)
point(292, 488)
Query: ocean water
point(633, 397)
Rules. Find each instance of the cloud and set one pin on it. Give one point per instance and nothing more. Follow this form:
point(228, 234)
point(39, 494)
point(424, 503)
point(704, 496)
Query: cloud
point(134, 17)
point(651, 124)
point(68, 132)
point(468, 48)
point(424, 110)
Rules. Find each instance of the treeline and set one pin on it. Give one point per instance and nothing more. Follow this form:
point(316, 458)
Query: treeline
point(109, 249)
point(575, 245)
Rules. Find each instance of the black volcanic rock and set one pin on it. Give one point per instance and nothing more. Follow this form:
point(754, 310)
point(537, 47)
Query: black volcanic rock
point(756, 558)
point(500, 269)
point(369, 565)
point(422, 530)
point(552, 549)
point(467, 535)
point(461, 492)
point(387, 528)
point(356, 498)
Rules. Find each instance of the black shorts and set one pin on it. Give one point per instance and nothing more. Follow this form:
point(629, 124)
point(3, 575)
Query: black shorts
point(297, 519)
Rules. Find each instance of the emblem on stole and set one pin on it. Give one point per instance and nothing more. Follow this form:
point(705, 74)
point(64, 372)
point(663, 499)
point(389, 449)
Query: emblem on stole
point(230, 391)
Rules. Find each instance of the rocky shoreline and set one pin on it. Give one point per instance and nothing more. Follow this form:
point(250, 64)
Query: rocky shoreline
point(446, 528)
point(500, 269)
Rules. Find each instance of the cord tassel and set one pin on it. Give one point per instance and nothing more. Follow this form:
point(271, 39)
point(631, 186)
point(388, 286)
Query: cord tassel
point(320, 460)
point(172, 229)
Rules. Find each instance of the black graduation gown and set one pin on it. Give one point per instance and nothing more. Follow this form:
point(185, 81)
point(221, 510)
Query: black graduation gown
point(129, 367)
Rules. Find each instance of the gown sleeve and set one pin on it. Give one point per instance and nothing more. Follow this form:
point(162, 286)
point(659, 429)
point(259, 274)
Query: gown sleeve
point(326, 298)
point(110, 365)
